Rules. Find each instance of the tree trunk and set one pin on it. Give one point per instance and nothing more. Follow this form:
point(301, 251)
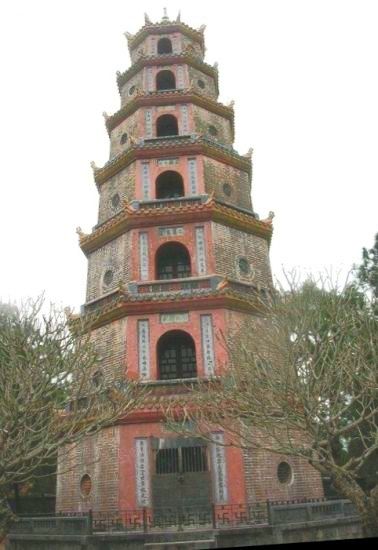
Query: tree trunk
point(366, 505)
point(6, 518)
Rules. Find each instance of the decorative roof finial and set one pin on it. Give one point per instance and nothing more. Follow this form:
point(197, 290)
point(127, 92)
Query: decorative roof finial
point(128, 35)
point(178, 18)
point(165, 17)
point(269, 219)
point(202, 29)
point(147, 20)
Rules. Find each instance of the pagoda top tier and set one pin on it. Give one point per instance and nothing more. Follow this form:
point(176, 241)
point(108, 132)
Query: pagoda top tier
point(165, 26)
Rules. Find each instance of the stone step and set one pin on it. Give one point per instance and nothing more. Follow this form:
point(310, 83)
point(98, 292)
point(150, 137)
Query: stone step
point(181, 545)
point(180, 536)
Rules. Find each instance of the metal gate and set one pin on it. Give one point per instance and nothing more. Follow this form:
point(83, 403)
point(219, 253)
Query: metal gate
point(181, 484)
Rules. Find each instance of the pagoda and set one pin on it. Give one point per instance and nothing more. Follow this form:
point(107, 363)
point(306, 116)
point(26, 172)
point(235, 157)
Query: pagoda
point(178, 256)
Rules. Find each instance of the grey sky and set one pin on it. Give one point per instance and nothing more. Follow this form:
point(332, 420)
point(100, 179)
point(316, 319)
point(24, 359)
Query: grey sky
point(304, 78)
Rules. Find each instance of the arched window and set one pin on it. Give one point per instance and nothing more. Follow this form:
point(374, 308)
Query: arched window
point(164, 45)
point(172, 262)
point(176, 356)
point(165, 80)
point(166, 125)
point(169, 185)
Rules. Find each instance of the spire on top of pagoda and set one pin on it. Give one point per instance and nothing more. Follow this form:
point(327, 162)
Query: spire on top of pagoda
point(176, 24)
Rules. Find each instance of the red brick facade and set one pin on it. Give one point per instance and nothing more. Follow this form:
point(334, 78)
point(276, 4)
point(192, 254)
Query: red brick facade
point(177, 259)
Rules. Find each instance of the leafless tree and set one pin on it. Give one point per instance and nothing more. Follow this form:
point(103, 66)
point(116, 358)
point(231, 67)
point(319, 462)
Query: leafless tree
point(49, 398)
point(304, 373)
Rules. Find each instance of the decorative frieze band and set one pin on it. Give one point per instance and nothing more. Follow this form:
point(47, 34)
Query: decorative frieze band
point(142, 472)
point(166, 318)
point(170, 231)
point(218, 458)
point(207, 345)
point(144, 349)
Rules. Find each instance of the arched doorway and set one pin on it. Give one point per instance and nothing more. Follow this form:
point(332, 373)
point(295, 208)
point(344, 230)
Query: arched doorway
point(169, 185)
point(165, 80)
point(166, 125)
point(172, 262)
point(164, 46)
point(176, 354)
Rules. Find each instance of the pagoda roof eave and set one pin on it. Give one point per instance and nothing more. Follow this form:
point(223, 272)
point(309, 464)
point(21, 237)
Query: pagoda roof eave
point(128, 218)
point(169, 59)
point(189, 95)
point(215, 299)
point(179, 145)
point(162, 28)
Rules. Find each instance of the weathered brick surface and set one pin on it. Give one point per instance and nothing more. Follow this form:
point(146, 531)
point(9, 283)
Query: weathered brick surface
point(231, 244)
point(216, 174)
point(122, 183)
point(96, 456)
point(204, 118)
point(113, 256)
point(130, 127)
point(111, 345)
point(137, 81)
point(263, 484)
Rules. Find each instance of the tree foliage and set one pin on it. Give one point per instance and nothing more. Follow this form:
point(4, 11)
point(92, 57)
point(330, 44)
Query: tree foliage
point(305, 374)
point(48, 400)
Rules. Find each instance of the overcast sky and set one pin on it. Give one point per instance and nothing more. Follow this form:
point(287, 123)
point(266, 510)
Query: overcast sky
point(303, 74)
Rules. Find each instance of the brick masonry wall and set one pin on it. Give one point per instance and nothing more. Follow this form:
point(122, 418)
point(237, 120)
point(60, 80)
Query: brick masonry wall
point(113, 256)
point(263, 484)
point(137, 81)
point(204, 118)
point(216, 174)
point(231, 244)
point(195, 75)
point(260, 465)
point(129, 127)
point(122, 183)
point(96, 456)
point(111, 346)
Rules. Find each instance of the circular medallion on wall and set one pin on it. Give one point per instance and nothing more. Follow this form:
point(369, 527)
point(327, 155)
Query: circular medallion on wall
point(284, 473)
point(201, 83)
point(85, 485)
point(131, 90)
point(124, 138)
point(212, 130)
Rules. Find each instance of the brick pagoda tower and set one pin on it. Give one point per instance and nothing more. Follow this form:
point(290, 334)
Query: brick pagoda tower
point(178, 256)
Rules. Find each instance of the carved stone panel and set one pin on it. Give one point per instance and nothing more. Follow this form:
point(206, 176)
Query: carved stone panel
point(218, 458)
point(200, 251)
point(143, 256)
point(207, 344)
point(146, 186)
point(144, 349)
point(192, 168)
point(142, 472)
